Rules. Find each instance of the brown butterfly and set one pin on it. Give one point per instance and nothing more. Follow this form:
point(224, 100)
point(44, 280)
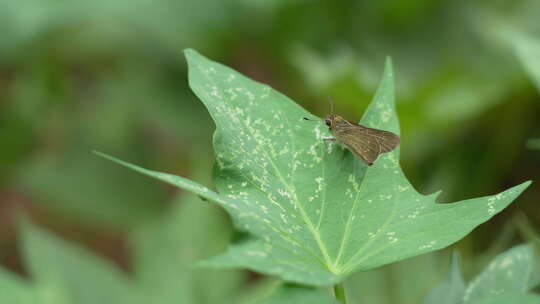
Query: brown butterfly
point(366, 143)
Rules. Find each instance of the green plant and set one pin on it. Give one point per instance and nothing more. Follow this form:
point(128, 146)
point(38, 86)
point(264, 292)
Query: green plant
point(528, 52)
point(507, 279)
point(313, 212)
point(65, 273)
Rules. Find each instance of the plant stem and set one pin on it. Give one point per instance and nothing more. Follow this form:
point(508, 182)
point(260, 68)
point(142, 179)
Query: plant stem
point(339, 293)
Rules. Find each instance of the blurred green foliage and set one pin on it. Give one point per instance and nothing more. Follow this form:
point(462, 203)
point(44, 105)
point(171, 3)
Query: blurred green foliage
point(292, 294)
point(162, 269)
point(77, 76)
point(508, 277)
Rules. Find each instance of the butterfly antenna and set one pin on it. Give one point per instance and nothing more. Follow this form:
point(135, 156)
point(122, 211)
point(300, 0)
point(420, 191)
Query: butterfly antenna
point(331, 105)
point(305, 118)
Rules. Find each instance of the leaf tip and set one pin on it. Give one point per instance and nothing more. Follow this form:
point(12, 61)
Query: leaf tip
point(113, 159)
point(522, 187)
point(189, 51)
point(388, 64)
point(98, 153)
point(190, 54)
point(106, 156)
point(456, 258)
point(435, 194)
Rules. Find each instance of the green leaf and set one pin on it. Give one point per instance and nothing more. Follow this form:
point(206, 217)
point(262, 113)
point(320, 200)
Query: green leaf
point(534, 144)
point(529, 233)
point(510, 271)
point(166, 247)
point(516, 297)
point(14, 290)
point(528, 51)
point(68, 274)
point(451, 291)
point(294, 294)
point(507, 279)
point(316, 212)
point(379, 285)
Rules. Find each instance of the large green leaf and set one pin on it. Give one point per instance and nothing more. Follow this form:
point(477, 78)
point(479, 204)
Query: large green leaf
point(507, 279)
point(316, 212)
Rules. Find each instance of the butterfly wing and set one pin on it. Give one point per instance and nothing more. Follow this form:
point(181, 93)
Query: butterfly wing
point(366, 143)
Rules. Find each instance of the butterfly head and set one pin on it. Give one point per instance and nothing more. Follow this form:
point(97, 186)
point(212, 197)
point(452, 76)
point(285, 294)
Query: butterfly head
point(331, 120)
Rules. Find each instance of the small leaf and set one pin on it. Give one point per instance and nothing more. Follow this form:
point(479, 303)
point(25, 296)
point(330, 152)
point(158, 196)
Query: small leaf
point(528, 51)
point(507, 279)
point(15, 290)
point(68, 274)
point(529, 233)
point(510, 271)
point(451, 291)
point(316, 213)
point(533, 144)
point(378, 285)
point(293, 294)
point(166, 247)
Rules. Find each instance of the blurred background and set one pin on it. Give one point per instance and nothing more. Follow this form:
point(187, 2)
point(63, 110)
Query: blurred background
point(77, 76)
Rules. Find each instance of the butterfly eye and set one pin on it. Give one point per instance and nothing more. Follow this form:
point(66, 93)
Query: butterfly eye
point(328, 122)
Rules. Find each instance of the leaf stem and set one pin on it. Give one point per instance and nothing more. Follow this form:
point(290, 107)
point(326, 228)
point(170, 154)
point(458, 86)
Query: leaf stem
point(339, 293)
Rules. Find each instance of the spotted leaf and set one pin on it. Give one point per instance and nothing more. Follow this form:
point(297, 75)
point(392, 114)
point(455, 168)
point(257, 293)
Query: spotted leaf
point(315, 212)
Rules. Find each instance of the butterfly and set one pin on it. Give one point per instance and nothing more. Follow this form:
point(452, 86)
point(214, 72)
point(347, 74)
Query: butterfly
point(366, 143)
